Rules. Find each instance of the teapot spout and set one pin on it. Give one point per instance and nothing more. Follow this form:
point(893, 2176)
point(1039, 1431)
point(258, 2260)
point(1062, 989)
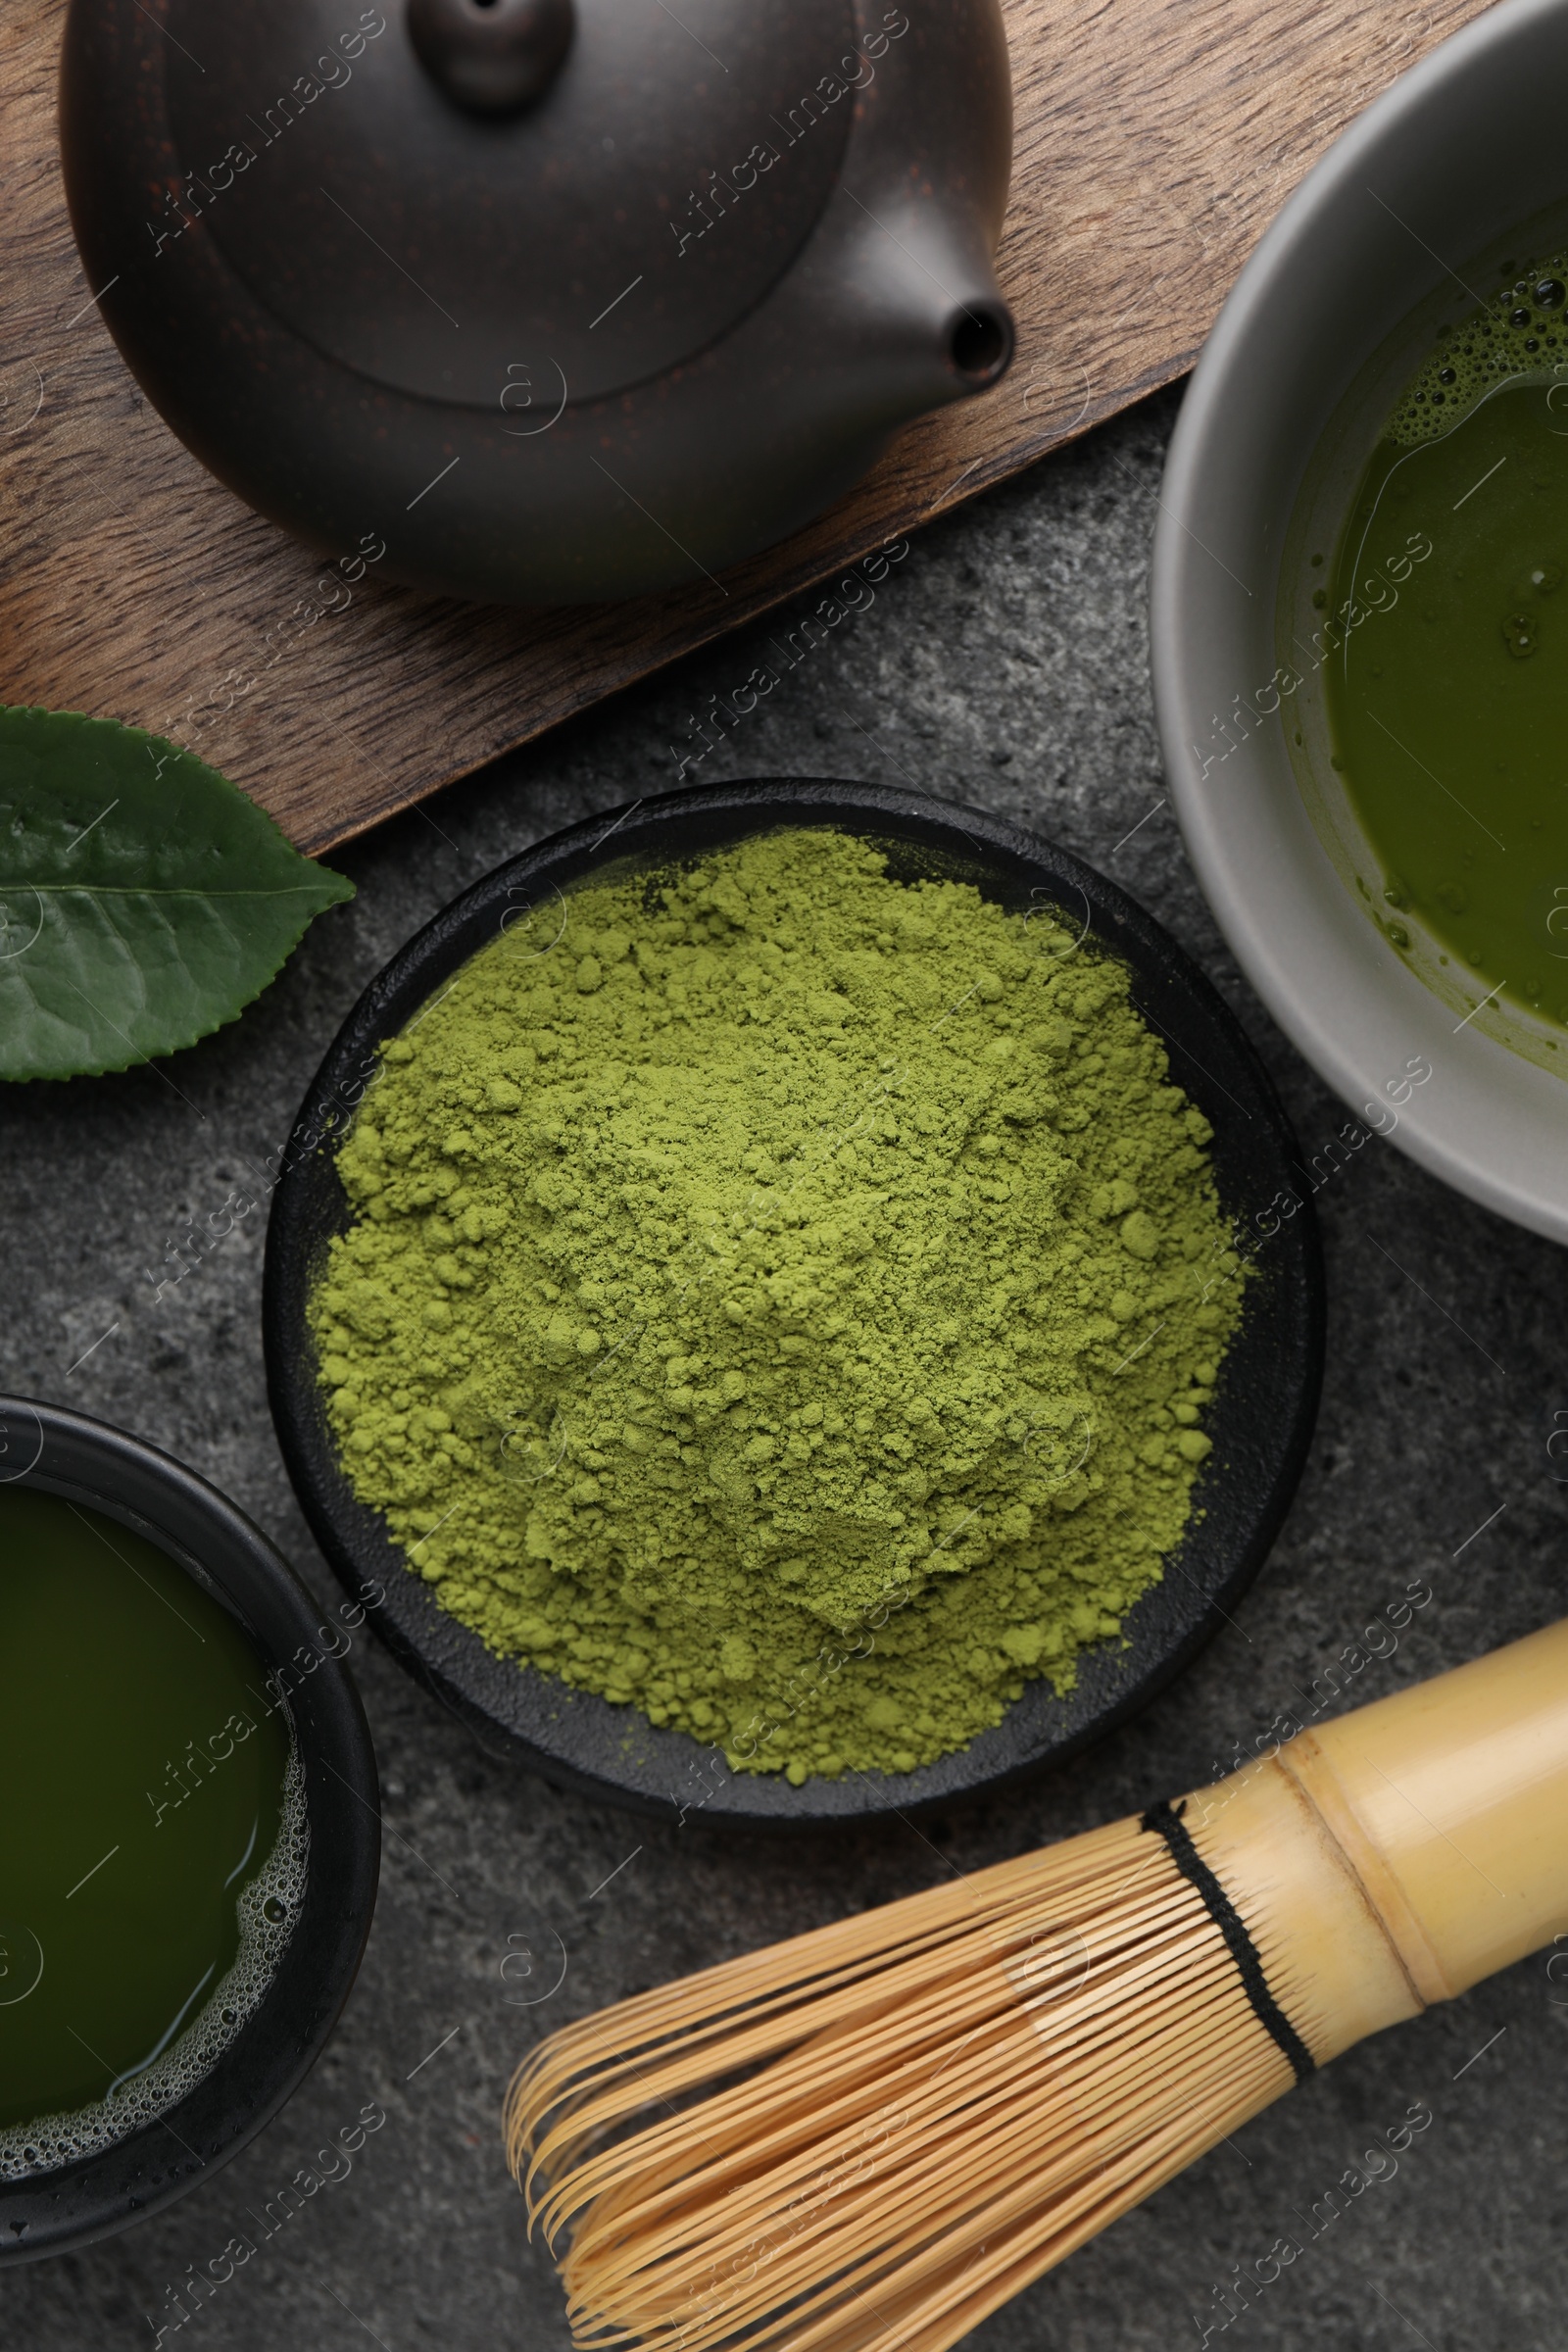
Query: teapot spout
point(980, 338)
point(915, 319)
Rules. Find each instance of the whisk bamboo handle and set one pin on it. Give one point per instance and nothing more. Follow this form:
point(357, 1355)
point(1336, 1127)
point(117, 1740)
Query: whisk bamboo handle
point(1396, 1856)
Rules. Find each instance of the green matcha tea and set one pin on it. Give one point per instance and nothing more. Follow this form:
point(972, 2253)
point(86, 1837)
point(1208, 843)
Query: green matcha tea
point(786, 1302)
point(1447, 675)
point(151, 1838)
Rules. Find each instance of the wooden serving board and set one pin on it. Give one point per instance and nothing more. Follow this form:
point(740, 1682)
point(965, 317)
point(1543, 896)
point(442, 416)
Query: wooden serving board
point(1155, 139)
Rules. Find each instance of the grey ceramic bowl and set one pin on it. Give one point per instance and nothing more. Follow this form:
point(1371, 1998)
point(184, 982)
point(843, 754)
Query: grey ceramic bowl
point(1444, 177)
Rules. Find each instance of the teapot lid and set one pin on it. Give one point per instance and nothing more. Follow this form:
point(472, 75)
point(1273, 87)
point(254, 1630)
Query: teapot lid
point(527, 202)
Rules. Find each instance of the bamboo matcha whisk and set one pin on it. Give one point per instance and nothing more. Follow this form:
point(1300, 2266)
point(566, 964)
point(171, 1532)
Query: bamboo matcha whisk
point(873, 2135)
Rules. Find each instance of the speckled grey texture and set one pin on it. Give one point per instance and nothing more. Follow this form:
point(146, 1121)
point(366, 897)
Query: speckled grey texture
point(1002, 662)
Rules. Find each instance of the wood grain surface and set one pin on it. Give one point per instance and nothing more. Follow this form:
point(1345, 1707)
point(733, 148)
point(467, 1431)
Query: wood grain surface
point(1155, 139)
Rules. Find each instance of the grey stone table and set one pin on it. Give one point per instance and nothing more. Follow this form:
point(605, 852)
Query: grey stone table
point(1003, 662)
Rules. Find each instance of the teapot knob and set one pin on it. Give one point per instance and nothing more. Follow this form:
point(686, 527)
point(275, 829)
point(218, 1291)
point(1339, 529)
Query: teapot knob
point(494, 57)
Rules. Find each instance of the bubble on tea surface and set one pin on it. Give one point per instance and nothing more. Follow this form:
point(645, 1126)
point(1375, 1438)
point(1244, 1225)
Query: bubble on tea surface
point(1520, 331)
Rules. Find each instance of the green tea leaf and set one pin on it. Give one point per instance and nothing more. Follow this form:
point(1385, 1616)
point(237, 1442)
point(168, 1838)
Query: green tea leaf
point(143, 899)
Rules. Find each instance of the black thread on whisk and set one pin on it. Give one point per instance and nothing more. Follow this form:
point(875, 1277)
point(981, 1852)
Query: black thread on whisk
point(1166, 1821)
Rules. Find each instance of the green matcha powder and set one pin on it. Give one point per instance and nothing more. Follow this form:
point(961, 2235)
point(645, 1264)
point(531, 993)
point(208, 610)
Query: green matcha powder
point(786, 1304)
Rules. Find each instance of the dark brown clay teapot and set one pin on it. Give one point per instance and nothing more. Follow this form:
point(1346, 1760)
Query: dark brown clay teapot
point(563, 300)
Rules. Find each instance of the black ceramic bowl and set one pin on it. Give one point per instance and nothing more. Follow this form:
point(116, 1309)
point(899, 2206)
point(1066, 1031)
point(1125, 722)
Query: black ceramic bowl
point(1260, 1422)
point(110, 1471)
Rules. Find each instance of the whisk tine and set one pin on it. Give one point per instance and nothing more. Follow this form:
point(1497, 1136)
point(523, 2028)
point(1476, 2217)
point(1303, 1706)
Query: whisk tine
point(868, 2021)
point(751, 2028)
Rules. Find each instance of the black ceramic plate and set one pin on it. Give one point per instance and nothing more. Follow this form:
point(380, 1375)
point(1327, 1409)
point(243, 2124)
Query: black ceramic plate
point(108, 1470)
point(1260, 1421)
